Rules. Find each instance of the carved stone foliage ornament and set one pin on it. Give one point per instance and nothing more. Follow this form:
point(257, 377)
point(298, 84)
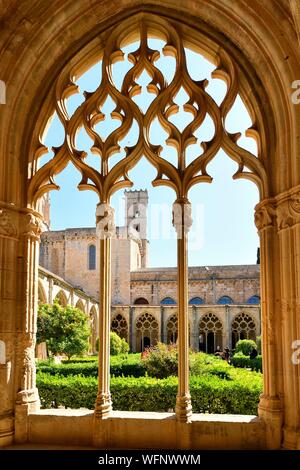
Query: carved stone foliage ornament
point(33, 226)
point(7, 226)
point(288, 212)
point(265, 215)
point(110, 174)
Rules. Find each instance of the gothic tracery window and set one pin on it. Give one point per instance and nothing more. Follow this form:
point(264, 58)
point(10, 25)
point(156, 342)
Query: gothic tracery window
point(107, 114)
point(119, 325)
point(172, 329)
point(147, 330)
point(243, 327)
point(210, 333)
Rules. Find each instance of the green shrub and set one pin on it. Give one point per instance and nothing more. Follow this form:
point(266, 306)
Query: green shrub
point(161, 361)
point(120, 366)
point(245, 346)
point(210, 394)
point(80, 360)
point(117, 345)
point(240, 360)
point(201, 363)
point(124, 347)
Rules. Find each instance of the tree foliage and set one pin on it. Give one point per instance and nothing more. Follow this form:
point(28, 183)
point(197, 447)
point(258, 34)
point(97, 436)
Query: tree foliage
point(64, 329)
point(117, 345)
point(245, 346)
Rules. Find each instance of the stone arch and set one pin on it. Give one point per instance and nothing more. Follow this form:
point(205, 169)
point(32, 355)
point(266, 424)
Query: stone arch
point(243, 326)
point(42, 296)
point(210, 333)
point(168, 301)
point(269, 71)
point(120, 326)
point(254, 300)
point(196, 301)
point(146, 330)
point(141, 301)
point(80, 305)
point(225, 300)
point(61, 298)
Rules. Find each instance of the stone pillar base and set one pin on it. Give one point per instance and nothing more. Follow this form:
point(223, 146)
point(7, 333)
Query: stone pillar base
point(183, 409)
point(270, 410)
point(6, 429)
point(291, 438)
point(27, 402)
point(103, 405)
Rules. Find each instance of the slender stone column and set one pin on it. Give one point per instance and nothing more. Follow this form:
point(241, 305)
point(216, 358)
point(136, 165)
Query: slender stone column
point(288, 219)
point(182, 222)
point(105, 231)
point(131, 329)
point(270, 406)
point(27, 399)
point(8, 278)
point(163, 332)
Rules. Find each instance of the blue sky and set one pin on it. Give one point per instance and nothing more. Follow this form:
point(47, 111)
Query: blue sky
point(223, 230)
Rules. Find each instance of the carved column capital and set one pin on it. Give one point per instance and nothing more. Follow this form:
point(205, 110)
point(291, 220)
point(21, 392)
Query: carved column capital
point(7, 224)
point(32, 226)
point(265, 214)
point(182, 216)
point(288, 209)
point(105, 224)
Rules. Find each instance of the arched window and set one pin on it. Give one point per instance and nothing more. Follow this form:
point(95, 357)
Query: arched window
point(42, 297)
point(168, 301)
point(196, 301)
point(254, 300)
point(243, 327)
point(146, 328)
point(80, 305)
point(119, 325)
point(172, 329)
point(210, 333)
point(225, 300)
point(141, 301)
point(61, 298)
point(92, 257)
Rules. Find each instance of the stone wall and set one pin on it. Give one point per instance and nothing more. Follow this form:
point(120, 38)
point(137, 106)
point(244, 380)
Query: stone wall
point(209, 283)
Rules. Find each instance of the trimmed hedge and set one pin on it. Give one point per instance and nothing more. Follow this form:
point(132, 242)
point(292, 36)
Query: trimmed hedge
point(210, 394)
point(239, 360)
point(120, 366)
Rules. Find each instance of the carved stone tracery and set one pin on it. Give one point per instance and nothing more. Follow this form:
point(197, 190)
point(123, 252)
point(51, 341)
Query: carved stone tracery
point(106, 179)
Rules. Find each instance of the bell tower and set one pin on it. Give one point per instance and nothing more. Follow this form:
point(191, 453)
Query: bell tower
point(136, 220)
